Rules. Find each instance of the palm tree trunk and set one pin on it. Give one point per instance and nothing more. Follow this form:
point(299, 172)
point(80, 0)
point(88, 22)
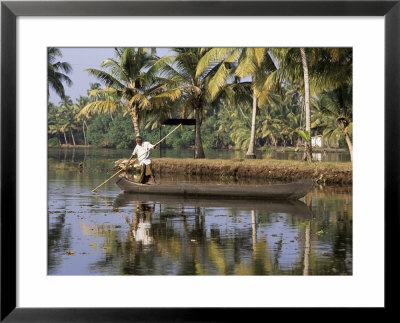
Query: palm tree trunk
point(342, 125)
point(251, 151)
point(135, 119)
point(307, 103)
point(350, 145)
point(84, 133)
point(65, 138)
point(72, 136)
point(199, 152)
point(274, 140)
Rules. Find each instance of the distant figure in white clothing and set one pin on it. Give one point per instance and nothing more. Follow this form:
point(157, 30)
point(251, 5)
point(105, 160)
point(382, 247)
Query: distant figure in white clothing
point(142, 150)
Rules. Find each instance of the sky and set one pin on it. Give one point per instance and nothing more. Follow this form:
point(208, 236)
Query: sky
point(82, 58)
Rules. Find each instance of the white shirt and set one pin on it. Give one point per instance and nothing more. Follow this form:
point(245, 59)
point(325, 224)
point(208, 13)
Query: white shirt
point(140, 150)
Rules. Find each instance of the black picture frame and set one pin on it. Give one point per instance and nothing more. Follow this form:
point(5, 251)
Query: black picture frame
point(10, 10)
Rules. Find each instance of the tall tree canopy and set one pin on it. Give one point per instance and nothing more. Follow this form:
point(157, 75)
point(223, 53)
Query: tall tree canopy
point(56, 72)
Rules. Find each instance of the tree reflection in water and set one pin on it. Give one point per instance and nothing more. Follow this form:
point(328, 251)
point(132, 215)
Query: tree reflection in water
point(156, 235)
point(189, 238)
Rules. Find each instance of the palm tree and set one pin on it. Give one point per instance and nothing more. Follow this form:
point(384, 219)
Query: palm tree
point(294, 68)
point(255, 63)
point(317, 70)
point(286, 116)
point(181, 70)
point(102, 101)
point(307, 103)
point(82, 101)
point(53, 121)
point(56, 72)
point(68, 112)
point(334, 110)
point(133, 78)
point(65, 119)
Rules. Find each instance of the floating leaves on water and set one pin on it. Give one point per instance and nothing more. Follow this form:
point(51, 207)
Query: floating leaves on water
point(70, 252)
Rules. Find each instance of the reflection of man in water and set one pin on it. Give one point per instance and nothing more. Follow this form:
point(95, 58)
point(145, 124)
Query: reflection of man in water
point(142, 150)
point(141, 223)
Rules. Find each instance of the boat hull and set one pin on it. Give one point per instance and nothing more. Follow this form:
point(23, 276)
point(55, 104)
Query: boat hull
point(290, 191)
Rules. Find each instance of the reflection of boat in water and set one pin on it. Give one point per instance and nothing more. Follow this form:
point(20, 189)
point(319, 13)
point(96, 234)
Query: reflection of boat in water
point(290, 191)
point(293, 207)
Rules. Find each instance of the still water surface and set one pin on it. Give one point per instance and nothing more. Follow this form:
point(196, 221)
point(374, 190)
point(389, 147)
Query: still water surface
point(112, 233)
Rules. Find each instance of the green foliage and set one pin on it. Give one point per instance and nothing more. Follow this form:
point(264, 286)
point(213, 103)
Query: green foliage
point(52, 142)
point(121, 132)
point(133, 85)
point(304, 134)
point(209, 81)
point(179, 139)
point(56, 72)
point(333, 113)
point(98, 129)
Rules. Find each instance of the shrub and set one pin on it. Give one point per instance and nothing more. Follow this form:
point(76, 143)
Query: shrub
point(98, 129)
point(53, 142)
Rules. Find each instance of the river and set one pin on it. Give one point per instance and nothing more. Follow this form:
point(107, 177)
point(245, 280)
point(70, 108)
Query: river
point(111, 233)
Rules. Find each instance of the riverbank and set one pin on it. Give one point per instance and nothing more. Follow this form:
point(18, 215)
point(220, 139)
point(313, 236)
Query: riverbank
point(266, 169)
point(260, 150)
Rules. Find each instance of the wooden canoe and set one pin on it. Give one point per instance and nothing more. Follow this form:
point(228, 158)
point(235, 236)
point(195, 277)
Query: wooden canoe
point(290, 191)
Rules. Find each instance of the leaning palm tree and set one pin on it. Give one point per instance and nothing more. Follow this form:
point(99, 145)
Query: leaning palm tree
point(257, 64)
point(56, 72)
point(232, 63)
point(335, 114)
point(69, 123)
point(133, 77)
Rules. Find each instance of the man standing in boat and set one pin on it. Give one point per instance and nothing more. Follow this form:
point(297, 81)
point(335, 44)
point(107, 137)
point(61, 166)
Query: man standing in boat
point(142, 150)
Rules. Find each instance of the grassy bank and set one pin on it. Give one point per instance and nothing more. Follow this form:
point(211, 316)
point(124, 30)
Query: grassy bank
point(268, 169)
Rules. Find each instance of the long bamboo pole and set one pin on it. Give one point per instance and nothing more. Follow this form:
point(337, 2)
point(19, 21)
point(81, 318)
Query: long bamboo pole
point(127, 164)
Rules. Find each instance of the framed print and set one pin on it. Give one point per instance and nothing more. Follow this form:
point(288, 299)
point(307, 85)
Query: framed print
point(70, 253)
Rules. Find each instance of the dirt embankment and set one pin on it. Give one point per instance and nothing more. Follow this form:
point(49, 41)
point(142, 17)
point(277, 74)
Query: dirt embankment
point(323, 173)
